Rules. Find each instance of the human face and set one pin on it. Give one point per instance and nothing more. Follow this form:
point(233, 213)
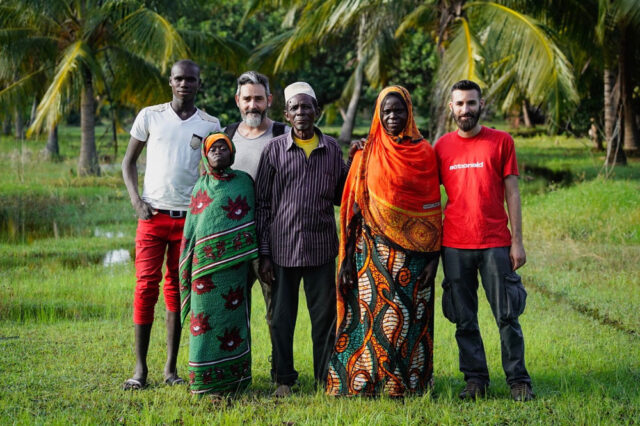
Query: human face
point(393, 114)
point(466, 107)
point(253, 103)
point(184, 81)
point(301, 113)
point(219, 155)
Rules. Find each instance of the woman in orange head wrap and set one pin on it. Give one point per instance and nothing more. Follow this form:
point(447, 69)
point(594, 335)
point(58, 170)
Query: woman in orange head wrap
point(390, 226)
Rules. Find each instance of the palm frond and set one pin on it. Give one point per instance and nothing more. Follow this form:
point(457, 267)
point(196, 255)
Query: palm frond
point(149, 35)
point(461, 55)
point(21, 91)
point(543, 72)
point(228, 54)
point(133, 81)
point(65, 84)
point(420, 17)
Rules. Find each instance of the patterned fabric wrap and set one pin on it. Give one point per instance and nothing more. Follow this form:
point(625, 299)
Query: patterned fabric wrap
point(384, 343)
point(218, 241)
point(384, 321)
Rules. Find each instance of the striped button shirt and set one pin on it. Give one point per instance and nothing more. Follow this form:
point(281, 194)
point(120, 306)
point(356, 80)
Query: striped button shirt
point(295, 196)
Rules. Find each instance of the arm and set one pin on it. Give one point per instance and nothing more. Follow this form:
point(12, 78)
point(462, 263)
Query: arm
point(344, 171)
point(348, 273)
point(512, 196)
point(264, 185)
point(130, 176)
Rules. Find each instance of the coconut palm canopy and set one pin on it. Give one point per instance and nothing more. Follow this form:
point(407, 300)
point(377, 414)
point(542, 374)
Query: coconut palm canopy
point(87, 50)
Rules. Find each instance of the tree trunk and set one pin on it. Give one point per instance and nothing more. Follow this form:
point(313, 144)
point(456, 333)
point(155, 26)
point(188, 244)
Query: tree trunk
point(525, 114)
point(19, 123)
point(609, 106)
point(625, 63)
point(34, 108)
point(114, 133)
point(350, 119)
point(52, 150)
point(615, 153)
point(6, 126)
point(88, 161)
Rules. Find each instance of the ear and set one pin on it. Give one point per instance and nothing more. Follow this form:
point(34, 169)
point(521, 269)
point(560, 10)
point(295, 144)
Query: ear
point(269, 100)
point(237, 101)
point(451, 106)
point(481, 103)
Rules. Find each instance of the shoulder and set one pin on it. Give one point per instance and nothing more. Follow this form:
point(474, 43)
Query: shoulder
point(242, 176)
point(496, 134)
point(277, 143)
point(206, 117)
point(155, 109)
point(330, 142)
point(443, 140)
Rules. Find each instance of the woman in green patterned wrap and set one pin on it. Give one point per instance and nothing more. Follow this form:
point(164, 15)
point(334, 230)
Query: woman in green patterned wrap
point(219, 240)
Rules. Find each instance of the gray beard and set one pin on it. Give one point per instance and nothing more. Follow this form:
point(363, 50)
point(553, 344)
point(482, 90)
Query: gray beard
point(253, 119)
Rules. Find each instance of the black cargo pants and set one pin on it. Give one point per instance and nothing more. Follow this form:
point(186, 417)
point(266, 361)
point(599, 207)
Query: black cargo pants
point(506, 295)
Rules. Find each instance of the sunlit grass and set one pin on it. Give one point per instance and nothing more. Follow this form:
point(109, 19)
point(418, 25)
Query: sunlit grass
point(66, 335)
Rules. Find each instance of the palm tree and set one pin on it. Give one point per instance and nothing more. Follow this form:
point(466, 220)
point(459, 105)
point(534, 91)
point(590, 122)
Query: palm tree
point(614, 23)
point(309, 24)
point(514, 56)
point(618, 26)
point(95, 47)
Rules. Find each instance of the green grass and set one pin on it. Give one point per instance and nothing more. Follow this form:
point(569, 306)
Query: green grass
point(66, 336)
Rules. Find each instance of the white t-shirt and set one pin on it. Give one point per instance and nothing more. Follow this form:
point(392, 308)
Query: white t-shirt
point(173, 153)
point(248, 151)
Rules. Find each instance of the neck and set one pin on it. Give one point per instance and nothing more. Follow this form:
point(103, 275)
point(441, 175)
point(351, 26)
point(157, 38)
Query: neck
point(184, 108)
point(471, 133)
point(303, 134)
point(254, 132)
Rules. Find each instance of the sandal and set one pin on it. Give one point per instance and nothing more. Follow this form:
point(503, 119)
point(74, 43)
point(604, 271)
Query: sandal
point(133, 384)
point(173, 380)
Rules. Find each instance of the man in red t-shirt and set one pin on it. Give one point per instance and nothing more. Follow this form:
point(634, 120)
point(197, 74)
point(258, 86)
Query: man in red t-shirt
point(479, 172)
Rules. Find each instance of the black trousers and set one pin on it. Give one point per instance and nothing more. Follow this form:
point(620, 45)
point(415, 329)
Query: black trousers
point(506, 296)
point(320, 291)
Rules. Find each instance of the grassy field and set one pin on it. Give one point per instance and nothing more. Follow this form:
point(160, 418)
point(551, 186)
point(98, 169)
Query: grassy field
point(66, 336)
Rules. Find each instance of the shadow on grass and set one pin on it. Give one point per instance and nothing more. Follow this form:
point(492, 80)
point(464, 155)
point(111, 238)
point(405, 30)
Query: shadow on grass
point(593, 313)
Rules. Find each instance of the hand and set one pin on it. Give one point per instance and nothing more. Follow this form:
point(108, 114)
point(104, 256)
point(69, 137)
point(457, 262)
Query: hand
point(265, 270)
point(356, 146)
point(517, 255)
point(143, 210)
point(348, 274)
point(428, 273)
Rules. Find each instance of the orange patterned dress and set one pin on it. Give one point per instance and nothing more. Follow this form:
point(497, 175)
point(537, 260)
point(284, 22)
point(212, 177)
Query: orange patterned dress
point(384, 339)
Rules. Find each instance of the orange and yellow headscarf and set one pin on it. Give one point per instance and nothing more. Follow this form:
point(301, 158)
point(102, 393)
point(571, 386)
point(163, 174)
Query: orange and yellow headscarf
point(394, 181)
point(209, 141)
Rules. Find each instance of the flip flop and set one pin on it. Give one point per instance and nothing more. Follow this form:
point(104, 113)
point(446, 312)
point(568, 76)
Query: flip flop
point(133, 384)
point(173, 380)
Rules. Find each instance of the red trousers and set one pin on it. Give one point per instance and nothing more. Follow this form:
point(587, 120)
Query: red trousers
point(154, 237)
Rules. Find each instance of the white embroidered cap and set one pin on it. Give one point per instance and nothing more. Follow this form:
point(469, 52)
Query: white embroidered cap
point(297, 88)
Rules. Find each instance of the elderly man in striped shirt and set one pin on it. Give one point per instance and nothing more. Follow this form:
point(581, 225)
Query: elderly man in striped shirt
point(300, 178)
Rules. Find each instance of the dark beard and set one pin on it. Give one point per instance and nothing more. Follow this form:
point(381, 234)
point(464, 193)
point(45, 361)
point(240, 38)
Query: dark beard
point(470, 122)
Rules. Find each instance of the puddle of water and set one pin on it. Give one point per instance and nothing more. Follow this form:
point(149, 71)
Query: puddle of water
point(97, 232)
point(116, 257)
